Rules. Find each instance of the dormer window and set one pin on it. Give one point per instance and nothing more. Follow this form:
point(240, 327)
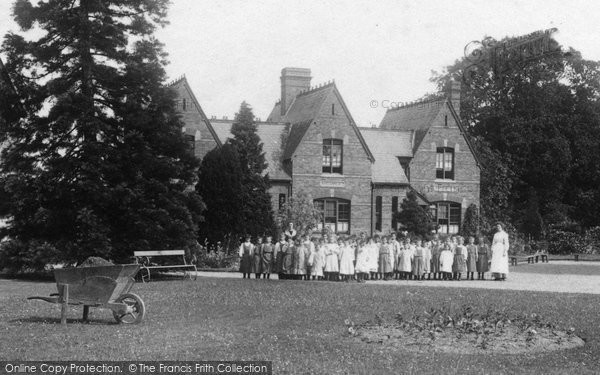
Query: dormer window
point(444, 163)
point(332, 156)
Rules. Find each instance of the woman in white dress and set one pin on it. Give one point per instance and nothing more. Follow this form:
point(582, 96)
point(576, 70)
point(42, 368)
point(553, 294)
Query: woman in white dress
point(332, 263)
point(499, 267)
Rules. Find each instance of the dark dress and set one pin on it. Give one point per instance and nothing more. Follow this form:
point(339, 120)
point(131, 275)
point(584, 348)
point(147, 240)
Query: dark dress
point(472, 258)
point(459, 260)
point(418, 262)
point(267, 258)
point(257, 261)
point(435, 258)
point(246, 261)
point(483, 258)
point(287, 263)
point(279, 254)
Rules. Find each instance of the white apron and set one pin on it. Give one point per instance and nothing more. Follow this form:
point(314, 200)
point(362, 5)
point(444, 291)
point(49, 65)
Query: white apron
point(500, 253)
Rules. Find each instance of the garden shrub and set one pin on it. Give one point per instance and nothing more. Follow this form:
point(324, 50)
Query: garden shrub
point(18, 256)
point(565, 242)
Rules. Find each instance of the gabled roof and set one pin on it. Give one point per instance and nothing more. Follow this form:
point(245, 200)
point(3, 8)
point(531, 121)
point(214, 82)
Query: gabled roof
point(388, 146)
point(272, 135)
point(305, 108)
point(307, 105)
point(275, 115)
point(182, 81)
point(294, 137)
point(415, 116)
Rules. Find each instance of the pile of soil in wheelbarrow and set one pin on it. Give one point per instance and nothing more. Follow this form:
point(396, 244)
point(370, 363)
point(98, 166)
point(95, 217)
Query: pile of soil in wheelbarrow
point(95, 262)
point(466, 332)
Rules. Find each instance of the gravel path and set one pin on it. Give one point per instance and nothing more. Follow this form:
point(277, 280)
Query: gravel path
point(565, 283)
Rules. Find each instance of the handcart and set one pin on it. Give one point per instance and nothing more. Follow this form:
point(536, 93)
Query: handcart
point(103, 286)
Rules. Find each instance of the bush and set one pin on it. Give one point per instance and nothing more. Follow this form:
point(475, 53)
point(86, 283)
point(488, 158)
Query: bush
point(217, 259)
point(215, 255)
point(592, 237)
point(18, 256)
point(564, 242)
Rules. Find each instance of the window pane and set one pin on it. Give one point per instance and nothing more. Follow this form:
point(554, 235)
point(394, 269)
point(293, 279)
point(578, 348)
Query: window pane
point(344, 211)
point(336, 155)
point(330, 209)
point(455, 214)
point(448, 161)
point(326, 155)
point(442, 211)
point(342, 227)
point(453, 229)
point(439, 161)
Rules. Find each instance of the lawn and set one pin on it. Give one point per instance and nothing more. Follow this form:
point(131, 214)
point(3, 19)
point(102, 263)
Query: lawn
point(559, 269)
point(297, 325)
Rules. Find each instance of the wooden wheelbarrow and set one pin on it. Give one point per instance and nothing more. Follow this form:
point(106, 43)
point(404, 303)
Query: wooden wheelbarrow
point(103, 287)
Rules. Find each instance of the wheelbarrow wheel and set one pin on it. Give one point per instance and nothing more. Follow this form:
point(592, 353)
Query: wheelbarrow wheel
point(136, 309)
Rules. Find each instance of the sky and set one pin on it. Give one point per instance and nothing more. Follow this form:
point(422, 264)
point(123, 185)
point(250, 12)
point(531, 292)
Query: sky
point(376, 51)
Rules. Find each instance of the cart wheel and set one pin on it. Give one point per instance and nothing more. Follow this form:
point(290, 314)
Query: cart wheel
point(136, 307)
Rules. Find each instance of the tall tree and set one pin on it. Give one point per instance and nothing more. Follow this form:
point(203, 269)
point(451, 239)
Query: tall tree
point(220, 185)
point(532, 223)
point(537, 122)
point(256, 211)
point(98, 165)
point(414, 218)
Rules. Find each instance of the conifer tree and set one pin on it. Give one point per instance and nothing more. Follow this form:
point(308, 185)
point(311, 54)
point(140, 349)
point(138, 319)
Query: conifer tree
point(98, 164)
point(416, 219)
point(470, 225)
point(256, 211)
point(220, 185)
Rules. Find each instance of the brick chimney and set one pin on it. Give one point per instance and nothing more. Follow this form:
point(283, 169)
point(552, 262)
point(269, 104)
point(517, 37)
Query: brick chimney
point(293, 81)
point(455, 95)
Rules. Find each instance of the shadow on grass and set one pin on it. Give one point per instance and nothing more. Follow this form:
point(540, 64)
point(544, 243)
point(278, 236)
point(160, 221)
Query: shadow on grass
point(56, 321)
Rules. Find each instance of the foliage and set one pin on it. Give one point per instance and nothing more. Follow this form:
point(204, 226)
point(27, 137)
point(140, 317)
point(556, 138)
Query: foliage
point(220, 185)
point(97, 165)
point(470, 225)
point(33, 256)
point(217, 259)
point(415, 219)
point(300, 210)
point(592, 238)
point(480, 328)
point(255, 212)
point(563, 242)
point(536, 125)
point(569, 240)
point(532, 223)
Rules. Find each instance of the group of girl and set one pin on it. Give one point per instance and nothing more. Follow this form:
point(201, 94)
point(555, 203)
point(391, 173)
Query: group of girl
point(360, 258)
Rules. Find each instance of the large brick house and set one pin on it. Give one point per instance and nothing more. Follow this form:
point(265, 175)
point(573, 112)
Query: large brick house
point(357, 176)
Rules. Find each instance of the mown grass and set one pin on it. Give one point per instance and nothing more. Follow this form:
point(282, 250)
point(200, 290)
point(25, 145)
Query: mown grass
point(559, 269)
point(297, 325)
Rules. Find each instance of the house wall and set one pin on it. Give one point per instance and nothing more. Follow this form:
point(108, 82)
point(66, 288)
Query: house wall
point(193, 119)
point(464, 189)
point(386, 192)
point(354, 184)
